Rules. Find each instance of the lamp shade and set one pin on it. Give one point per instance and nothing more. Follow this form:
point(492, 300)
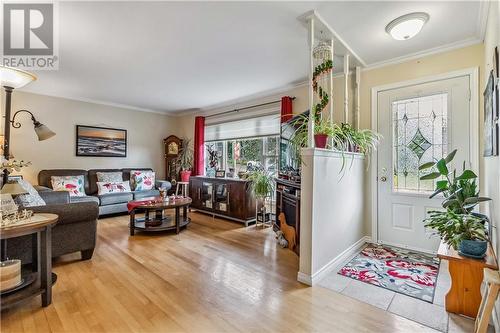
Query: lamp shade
point(15, 78)
point(43, 132)
point(13, 189)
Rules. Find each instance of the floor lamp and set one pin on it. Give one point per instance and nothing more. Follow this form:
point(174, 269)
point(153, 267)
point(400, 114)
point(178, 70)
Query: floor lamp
point(10, 79)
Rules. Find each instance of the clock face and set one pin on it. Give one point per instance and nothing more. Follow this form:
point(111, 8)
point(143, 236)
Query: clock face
point(173, 148)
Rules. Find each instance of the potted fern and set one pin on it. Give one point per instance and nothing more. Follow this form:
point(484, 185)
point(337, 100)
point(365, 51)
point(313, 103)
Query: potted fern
point(457, 225)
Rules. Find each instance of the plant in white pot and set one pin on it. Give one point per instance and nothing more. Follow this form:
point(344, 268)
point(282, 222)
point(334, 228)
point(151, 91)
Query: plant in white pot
point(457, 225)
point(185, 160)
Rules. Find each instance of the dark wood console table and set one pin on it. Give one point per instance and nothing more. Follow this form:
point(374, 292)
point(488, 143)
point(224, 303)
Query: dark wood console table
point(37, 279)
point(228, 198)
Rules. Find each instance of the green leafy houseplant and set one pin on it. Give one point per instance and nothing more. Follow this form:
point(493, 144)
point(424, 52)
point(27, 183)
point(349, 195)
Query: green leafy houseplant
point(262, 183)
point(456, 225)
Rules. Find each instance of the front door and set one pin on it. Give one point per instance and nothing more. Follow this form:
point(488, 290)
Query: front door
point(418, 123)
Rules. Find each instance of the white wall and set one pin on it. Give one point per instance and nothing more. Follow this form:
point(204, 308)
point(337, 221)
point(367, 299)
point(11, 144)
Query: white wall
point(491, 165)
point(145, 134)
point(331, 211)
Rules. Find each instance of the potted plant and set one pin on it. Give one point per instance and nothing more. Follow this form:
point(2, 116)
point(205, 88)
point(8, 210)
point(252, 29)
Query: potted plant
point(458, 225)
point(185, 160)
point(263, 187)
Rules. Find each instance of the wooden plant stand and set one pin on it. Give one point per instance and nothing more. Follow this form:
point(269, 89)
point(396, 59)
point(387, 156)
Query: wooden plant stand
point(464, 296)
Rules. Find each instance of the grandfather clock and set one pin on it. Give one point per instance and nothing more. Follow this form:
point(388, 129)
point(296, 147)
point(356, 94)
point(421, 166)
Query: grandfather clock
point(172, 147)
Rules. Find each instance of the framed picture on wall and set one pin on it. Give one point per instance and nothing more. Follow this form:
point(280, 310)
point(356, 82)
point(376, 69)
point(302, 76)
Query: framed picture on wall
point(100, 141)
point(491, 117)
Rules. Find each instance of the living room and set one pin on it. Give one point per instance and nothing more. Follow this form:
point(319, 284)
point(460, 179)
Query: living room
point(162, 170)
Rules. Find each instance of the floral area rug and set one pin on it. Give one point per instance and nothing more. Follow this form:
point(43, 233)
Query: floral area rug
point(406, 272)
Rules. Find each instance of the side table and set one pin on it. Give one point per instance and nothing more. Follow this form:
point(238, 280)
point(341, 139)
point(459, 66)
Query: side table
point(37, 279)
point(464, 296)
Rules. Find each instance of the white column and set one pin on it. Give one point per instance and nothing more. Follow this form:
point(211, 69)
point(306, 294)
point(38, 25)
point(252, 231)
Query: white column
point(358, 95)
point(331, 86)
point(346, 88)
point(310, 133)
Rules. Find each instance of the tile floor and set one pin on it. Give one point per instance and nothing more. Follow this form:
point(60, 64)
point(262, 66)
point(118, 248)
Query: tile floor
point(432, 315)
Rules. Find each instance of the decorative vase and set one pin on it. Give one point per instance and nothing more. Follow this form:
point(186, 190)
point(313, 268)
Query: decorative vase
point(185, 174)
point(320, 140)
point(473, 248)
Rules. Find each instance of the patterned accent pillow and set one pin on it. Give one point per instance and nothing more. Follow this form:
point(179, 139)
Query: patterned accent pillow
point(112, 187)
point(30, 199)
point(109, 177)
point(142, 180)
point(71, 184)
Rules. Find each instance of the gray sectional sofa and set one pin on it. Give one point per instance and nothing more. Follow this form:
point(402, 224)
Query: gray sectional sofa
point(108, 203)
point(75, 230)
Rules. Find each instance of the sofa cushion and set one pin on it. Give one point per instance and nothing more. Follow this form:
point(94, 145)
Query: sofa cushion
point(145, 194)
point(109, 177)
point(93, 178)
point(72, 184)
point(115, 198)
point(44, 176)
point(30, 199)
point(86, 198)
point(142, 180)
point(113, 187)
point(71, 213)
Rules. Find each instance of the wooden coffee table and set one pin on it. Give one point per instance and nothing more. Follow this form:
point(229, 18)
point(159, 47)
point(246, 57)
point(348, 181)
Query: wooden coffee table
point(155, 218)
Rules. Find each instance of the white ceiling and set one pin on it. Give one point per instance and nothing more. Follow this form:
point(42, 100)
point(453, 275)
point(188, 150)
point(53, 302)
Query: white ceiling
point(175, 56)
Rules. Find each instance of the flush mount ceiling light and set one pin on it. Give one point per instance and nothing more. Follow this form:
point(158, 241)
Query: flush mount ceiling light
point(407, 26)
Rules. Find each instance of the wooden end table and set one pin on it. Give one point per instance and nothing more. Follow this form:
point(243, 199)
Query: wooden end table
point(155, 218)
point(464, 296)
point(37, 279)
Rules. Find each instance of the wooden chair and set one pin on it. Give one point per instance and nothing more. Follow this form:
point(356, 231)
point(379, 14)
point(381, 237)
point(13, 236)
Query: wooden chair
point(492, 279)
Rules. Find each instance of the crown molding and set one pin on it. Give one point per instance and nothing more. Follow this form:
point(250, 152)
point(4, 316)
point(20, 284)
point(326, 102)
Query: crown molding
point(425, 53)
point(239, 102)
point(99, 102)
point(482, 20)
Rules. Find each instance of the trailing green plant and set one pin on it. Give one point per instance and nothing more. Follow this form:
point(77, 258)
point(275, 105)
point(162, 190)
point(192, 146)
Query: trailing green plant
point(345, 138)
point(262, 183)
point(453, 227)
point(460, 192)
point(185, 158)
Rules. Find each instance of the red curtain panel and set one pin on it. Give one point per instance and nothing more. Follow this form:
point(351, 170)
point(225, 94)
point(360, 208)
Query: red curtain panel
point(286, 108)
point(199, 146)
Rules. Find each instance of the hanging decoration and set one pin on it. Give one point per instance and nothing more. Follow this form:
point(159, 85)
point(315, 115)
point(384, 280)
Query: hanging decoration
point(321, 78)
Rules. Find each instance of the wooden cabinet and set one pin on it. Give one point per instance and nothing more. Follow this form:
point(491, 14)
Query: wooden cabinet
point(223, 197)
point(288, 203)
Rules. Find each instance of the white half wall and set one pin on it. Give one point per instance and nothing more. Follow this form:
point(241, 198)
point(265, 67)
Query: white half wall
point(331, 211)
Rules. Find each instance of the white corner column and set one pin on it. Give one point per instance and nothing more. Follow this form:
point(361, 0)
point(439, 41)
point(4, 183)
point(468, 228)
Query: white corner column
point(331, 211)
point(358, 96)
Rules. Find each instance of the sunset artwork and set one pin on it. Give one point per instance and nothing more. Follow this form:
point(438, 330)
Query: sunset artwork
point(100, 141)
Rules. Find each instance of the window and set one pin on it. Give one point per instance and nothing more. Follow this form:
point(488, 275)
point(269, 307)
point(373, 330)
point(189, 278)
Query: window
point(246, 154)
point(420, 128)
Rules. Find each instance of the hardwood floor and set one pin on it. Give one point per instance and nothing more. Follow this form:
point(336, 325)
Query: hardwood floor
point(216, 276)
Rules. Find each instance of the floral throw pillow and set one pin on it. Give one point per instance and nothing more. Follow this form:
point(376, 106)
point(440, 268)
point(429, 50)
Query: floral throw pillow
point(109, 177)
point(142, 180)
point(30, 199)
point(112, 187)
point(71, 184)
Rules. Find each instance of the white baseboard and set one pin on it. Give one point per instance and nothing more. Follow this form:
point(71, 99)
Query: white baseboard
point(313, 279)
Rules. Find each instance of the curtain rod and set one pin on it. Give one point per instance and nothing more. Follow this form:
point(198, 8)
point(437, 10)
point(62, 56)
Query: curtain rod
point(245, 108)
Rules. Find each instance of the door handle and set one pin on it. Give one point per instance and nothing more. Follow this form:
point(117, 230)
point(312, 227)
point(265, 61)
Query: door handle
point(383, 179)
